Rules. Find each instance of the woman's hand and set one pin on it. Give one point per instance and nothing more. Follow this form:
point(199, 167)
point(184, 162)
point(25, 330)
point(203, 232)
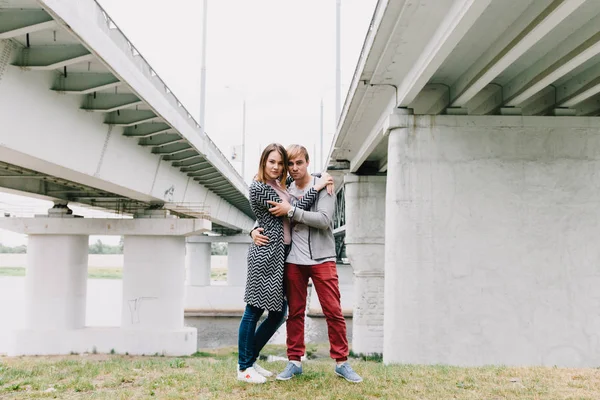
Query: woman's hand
point(325, 180)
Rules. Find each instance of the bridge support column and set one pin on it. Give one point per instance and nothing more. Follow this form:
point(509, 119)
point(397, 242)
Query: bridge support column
point(220, 298)
point(56, 282)
point(153, 286)
point(237, 264)
point(198, 263)
point(365, 222)
point(491, 241)
point(153, 296)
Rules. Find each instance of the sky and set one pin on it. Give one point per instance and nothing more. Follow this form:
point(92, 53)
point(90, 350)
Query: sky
point(278, 55)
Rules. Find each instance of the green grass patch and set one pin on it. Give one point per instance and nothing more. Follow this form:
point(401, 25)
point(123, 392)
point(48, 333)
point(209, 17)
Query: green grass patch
point(12, 271)
point(211, 374)
point(105, 273)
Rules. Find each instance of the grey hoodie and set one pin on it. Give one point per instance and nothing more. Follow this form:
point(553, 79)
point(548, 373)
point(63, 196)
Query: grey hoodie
point(319, 219)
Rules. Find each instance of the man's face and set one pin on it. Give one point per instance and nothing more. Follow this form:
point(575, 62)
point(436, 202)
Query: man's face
point(297, 167)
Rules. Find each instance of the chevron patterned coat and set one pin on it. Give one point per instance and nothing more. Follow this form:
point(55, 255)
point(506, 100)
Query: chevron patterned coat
point(264, 285)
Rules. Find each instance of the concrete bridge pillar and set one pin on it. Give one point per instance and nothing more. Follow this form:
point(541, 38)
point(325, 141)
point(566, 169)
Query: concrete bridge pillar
point(198, 263)
point(365, 230)
point(218, 298)
point(56, 282)
point(491, 241)
point(237, 264)
point(153, 286)
point(153, 282)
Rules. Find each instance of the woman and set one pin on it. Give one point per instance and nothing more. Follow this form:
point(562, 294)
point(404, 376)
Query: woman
point(264, 285)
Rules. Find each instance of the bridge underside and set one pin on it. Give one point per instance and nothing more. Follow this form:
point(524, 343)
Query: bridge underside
point(87, 63)
point(468, 147)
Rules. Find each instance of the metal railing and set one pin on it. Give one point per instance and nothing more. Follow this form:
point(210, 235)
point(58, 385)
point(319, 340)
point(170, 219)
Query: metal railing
point(136, 53)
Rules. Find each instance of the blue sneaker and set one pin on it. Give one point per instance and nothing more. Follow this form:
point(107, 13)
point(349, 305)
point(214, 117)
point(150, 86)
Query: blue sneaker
point(289, 372)
point(345, 371)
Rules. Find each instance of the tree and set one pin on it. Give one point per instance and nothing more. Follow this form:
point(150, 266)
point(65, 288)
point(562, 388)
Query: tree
point(218, 249)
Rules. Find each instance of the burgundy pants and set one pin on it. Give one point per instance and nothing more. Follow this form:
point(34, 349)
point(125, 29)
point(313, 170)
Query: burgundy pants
point(325, 281)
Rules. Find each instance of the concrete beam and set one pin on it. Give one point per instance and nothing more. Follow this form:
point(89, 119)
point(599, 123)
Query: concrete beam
point(460, 18)
point(219, 239)
point(590, 48)
point(16, 23)
point(130, 117)
point(42, 26)
point(378, 133)
point(84, 83)
point(107, 226)
point(579, 44)
point(46, 58)
point(190, 161)
point(84, 19)
point(571, 96)
point(174, 150)
point(505, 55)
point(148, 130)
point(162, 140)
point(105, 103)
point(432, 100)
point(486, 101)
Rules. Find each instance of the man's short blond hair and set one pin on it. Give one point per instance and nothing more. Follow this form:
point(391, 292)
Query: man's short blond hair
point(295, 151)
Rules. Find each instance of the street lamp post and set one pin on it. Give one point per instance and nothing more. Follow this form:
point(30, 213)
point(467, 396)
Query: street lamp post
point(244, 139)
point(243, 169)
point(322, 159)
point(203, 68)
point(338, 69)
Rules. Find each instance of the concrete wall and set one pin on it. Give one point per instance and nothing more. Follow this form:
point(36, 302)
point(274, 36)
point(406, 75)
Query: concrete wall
point(492, 255)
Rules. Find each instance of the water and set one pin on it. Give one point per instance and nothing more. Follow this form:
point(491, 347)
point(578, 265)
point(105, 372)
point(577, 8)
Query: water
point(104, 309)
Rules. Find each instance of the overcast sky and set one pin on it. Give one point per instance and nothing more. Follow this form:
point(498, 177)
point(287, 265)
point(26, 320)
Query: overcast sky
point(277, 54)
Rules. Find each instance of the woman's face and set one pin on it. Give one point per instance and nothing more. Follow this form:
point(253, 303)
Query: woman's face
point(274, 166)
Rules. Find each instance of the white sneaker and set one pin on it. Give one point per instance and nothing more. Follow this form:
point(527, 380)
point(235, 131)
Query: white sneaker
point(251, 376)
point(262, 371)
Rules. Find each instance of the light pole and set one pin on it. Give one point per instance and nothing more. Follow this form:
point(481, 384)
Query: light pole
point(203, 68)
point(338, 70)
point(321, 138)
point(243, 130)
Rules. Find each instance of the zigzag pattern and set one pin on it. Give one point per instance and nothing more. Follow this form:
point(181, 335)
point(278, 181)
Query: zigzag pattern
point(264, 284)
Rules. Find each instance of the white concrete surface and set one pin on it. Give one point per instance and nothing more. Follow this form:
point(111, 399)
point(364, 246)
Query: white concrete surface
point(214, 300)
point(153, 283)
point(237, 263)
point(106, 226)
point(106, 159)
point(365, 235)
point(491, 241)
point(56, 282)
point(177, 342)
point(198, 263)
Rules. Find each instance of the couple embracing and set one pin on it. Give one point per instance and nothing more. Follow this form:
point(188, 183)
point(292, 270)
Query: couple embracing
point(292, 242)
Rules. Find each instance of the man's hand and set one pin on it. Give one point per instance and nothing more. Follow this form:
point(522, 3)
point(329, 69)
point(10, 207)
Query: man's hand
point(279, 209)
point(258, 238)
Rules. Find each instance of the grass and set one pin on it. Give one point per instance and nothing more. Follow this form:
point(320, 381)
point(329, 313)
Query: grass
point(12, 271)
point(217, 274)
point(211, 375)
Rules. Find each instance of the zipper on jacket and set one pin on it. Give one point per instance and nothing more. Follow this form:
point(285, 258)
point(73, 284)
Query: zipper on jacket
point(309, 228)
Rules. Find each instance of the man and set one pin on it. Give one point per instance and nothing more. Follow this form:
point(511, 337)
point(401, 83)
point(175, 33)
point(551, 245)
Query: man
point(312, 255)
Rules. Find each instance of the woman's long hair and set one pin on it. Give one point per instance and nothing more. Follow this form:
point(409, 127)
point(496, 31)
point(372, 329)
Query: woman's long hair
point(261, 176)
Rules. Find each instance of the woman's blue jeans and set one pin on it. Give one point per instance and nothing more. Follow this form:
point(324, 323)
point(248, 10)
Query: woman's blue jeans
point(251, 340)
